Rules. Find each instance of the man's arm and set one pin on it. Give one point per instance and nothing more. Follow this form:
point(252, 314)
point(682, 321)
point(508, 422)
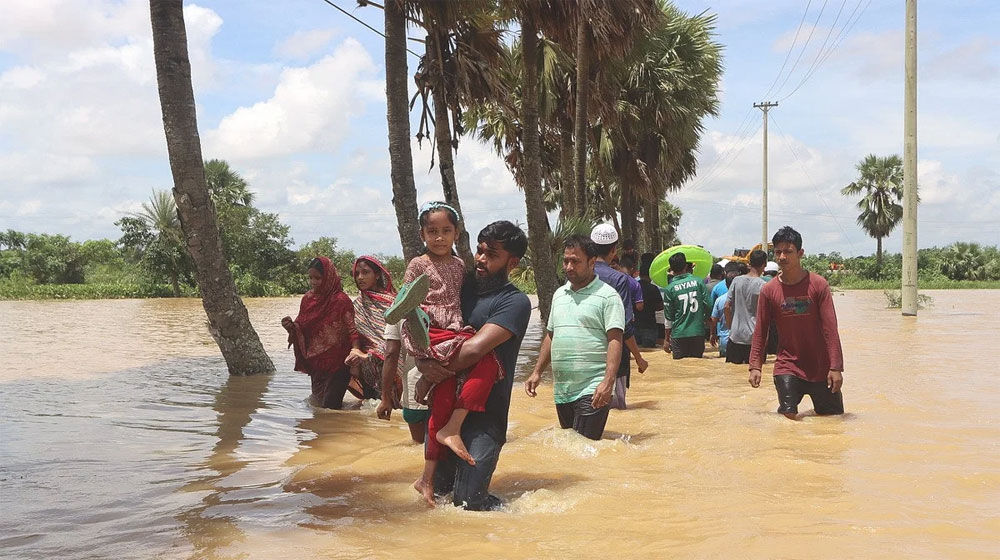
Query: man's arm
point(759, 344)
point(544, 359)
point(729, 308)
point(389, 368)
point(602, 395)
point(472, 350)
point(831, 335)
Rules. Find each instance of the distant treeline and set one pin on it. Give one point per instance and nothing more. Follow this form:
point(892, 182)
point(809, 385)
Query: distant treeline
point(958, 265)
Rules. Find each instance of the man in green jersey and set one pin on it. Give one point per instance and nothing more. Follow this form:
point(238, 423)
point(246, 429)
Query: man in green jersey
point(688, 306)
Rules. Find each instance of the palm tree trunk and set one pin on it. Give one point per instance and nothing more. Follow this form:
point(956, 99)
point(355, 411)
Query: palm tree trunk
point(651, 213)
point(582, 99)
point(629, 211)
point(446, 161)
point(404, 191)
point(566, 176)
point(173, 282)
point(538, 225)
point(878, 256)
point(227, 317)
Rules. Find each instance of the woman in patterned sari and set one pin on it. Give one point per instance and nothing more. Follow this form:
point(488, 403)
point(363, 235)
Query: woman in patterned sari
point(376, 295)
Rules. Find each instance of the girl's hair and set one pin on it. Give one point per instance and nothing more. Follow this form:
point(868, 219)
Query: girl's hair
point(435, 206)
point(379, 277)
point(317, 264)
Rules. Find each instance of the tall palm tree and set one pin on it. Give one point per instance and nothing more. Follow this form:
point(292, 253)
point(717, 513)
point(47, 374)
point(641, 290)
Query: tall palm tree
point(228, 320)
point(604, 31)
point(404, 190)
point(880, 183)
point(463, 49)
point(665, 87)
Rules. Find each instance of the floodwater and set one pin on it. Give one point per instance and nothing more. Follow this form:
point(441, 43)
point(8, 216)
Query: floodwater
point(122, 437)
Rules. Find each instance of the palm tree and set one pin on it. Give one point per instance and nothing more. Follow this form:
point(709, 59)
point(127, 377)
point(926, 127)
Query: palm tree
point(404, 191)
point(965, 261)
point(160, 216)
point(228, 320)
point(463, 50)
point(665, 86)
point(604, 31)
point(880, 182)
point(226, 185)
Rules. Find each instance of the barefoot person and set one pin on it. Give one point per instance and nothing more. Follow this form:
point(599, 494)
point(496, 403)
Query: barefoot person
point(499, 312)
point(810, 360)
point(583, 341)
point(605, 238)
point(324, 334)
point(435, 329)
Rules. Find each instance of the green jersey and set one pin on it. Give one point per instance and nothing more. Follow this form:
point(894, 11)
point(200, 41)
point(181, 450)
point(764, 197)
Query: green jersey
point(687, 303)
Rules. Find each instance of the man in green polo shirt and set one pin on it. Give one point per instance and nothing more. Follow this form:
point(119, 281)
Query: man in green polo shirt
point(583, 341)
point(688, 305)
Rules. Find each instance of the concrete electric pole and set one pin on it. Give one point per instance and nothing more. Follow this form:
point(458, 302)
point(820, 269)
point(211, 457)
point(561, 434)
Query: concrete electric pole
point(764, 106)
point(910, 164)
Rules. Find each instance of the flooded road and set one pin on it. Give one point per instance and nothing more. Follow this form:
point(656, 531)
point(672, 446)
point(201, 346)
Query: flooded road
point(121, 436)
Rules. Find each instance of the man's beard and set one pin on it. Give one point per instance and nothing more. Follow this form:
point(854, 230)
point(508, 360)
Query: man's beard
point(491, 282)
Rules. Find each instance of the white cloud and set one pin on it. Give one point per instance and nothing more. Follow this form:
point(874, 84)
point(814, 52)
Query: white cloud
point(29, 207)
point(303, 44)
point(311, 109)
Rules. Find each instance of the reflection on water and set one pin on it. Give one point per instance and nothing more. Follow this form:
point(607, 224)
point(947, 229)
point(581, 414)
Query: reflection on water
point(122, 437)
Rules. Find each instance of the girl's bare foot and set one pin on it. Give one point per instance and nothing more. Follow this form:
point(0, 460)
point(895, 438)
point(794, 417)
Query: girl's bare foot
point(426, 489)
point(453, 439)
point(421, 390)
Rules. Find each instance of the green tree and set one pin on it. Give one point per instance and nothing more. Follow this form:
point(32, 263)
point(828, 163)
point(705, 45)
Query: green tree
point(965, 261)
point(162, 251)
point(880, 182)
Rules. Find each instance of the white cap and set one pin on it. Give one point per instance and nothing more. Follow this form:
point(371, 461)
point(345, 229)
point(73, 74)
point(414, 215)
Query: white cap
point(771, 266)
point(604, 234)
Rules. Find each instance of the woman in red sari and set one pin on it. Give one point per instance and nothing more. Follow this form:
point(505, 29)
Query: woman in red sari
point(323, 334)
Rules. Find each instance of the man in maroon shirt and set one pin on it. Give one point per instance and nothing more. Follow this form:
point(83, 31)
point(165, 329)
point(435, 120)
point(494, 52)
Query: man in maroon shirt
point(810, 360)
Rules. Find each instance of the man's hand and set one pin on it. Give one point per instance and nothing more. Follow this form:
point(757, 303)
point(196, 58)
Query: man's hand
point(666, 345)
point(287, 323)
point(355, 357)
point(531, 383)
point(713, 340)
point(641, 363)
point(384, 409)
point(433, 371)
point(834, 380)
point(754, 378)
point(602, 395)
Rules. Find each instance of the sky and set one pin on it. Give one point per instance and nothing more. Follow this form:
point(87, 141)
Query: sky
point(291, 94)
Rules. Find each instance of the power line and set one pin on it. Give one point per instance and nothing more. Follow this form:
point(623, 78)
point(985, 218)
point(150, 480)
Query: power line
point(790, 49)
point(804, 47)
point(813, 184)
point(350, 15)
point(822, 57)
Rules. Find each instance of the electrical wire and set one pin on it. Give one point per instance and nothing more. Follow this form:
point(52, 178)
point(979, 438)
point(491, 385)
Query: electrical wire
point(350, 15)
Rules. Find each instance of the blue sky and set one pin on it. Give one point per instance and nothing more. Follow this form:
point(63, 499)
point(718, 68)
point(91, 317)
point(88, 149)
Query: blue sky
point(291, 94)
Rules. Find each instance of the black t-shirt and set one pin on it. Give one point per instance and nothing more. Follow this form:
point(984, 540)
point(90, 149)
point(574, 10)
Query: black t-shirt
point(652, 301)
point(509, 308)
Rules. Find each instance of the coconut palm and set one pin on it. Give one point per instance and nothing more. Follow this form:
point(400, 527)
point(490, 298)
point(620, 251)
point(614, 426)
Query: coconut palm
point(880, 183)
point(228, 321)
point(160, 217)
point(404, 191)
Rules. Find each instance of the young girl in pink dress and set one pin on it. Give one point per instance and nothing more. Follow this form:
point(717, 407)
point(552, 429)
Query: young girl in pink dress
point(431, 304)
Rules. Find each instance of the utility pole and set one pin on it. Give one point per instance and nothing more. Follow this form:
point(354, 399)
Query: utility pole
point(764, 106)
point(910, 164)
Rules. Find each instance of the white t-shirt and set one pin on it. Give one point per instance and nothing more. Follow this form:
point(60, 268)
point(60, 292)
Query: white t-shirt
point(410, 376)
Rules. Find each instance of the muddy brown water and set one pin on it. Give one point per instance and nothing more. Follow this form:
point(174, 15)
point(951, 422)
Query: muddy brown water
point(122, 437)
